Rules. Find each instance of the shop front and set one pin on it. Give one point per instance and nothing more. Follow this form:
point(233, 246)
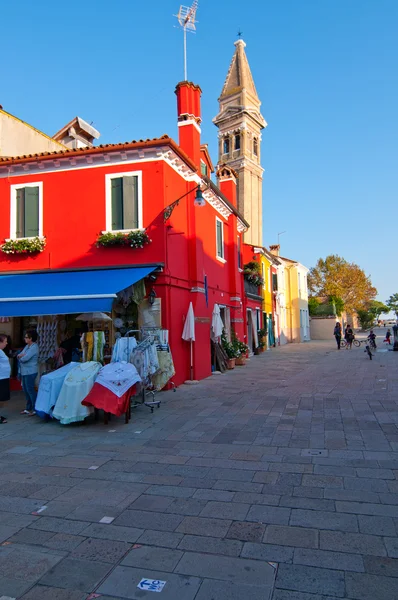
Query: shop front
point(87, 317)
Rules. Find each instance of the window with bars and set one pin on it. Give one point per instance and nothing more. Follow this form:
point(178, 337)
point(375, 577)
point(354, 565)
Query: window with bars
point(124, 203)
point(220, 238)
point(27, 212)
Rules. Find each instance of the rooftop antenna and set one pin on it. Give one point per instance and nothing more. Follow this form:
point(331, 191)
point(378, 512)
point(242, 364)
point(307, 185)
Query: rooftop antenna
point(279, 234)
point(186, 18)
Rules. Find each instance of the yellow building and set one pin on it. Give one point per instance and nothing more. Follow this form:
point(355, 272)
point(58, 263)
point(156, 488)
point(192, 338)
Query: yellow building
point(267, 261)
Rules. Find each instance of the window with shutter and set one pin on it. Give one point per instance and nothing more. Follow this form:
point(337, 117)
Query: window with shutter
point(220, 238)
point(27, 212)
point(124, 200)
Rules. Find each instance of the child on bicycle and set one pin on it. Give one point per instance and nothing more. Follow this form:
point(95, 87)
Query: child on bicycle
point(372, 338)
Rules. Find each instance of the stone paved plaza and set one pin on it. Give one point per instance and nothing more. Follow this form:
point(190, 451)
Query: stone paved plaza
point(277, 480)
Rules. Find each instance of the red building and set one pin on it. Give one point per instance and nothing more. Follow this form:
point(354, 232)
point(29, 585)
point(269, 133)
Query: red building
point(70, 198)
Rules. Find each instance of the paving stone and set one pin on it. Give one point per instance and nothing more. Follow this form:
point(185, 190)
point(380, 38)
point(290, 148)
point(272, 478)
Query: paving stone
point(363, 508)
point(269, 514)
point(163, 539)
point(222, 590)
point(7, 532)
point(204, 526)
point(324, 520)
point(308, 492)
point(324, 481)
point(59, 525)
point(64, 541)
point(216, 495)
point(14, 520)
point(231, 474)
point(291, 595)
point(292, 536)
point(268, 552)
point(351, 495)
point(247, 532)
point(225, 510)
point(148, 520)
point(265, 477)
point(41, 592)
point(252, 498)
point(238, 486)
point(155, 503)
point(307, 503)
point(196, 543)
point(328, 560)
point(26, 564)
point(392, 547)
point(173, 491)
point(123, 582)
point(367, 485)
point(112, 532)
point(146, 557)
point(387, 567)
point(19, 505)
point(76, 574)
point(226, 568)
point(13, 588)
point(89, 513)
point(371, 587)
point(311, 579)
point(109, 551)
point(356, 543)
point(376, 525)
point(31, 536)
point(376, 473)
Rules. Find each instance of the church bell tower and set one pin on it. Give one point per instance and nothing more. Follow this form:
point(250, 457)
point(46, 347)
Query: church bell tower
point(240, 123)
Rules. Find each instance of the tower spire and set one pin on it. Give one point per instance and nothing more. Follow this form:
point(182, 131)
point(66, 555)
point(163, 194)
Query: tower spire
point(240, 123)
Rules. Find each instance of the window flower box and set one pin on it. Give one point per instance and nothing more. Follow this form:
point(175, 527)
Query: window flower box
point(24, 245)
point(133, 239)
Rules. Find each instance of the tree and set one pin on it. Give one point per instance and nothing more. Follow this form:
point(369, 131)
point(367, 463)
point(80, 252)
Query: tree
point(366, 318)
point(392, 304)
point(377, 308)
point(334, 276)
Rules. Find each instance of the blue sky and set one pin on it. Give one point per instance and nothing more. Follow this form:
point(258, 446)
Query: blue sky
point(325, 70)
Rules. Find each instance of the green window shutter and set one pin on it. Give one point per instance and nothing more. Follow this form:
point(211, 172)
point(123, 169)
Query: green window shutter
point(20, 216)
point(117, 202)
point(220, 248)
point(130, 202)
point(31, 211)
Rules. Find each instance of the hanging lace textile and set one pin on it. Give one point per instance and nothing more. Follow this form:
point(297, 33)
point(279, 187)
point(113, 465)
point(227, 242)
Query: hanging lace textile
point(47, 337)
point(49, 389)
point(76, 386)
point(114, 386)
point(123, 348)
point(92, 344)
point(145, 358)
point(166, 369)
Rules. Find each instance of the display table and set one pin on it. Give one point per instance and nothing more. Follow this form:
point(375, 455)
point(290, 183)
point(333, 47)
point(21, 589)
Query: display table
point(49, 390)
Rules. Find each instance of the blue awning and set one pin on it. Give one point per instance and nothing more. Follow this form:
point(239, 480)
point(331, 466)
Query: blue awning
point(68, 292)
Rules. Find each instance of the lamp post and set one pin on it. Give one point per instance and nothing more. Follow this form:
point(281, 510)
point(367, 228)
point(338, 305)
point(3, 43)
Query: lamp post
point(199, 201)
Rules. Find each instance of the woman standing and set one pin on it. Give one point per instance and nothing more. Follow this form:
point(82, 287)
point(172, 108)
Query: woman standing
point(29, 368)
point(5, 371)
point(349, 336)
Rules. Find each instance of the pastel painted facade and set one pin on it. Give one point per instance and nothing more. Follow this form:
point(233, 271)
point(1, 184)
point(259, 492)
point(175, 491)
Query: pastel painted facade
point(18, 138)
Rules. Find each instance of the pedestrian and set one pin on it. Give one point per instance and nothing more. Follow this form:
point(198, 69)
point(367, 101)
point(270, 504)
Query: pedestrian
point(28, 364)
point(337, 334)
point(388, 337)
point(349, 336)
point(5, 372)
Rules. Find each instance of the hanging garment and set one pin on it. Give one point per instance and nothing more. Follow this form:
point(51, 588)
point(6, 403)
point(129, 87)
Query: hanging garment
point(76, 386)
point(145, 360)
point(123, 348)
point(49, 389)
point(165, 372)
point(113, 387)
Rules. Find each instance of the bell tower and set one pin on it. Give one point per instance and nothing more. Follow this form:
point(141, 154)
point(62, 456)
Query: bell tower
point(240, 123)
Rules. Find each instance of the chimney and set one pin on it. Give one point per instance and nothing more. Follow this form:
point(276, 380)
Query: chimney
point(275, 249)
point(188, 110)
point(227, 179)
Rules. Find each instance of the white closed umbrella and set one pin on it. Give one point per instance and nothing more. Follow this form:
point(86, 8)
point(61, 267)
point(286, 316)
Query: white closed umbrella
point(217, 324)
point(188, 332)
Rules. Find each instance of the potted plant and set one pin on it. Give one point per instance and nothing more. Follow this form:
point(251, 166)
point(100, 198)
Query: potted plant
point(241, 350)
point(134, 239)
point(252, 273)
point(229, 350)
point(262, 340)
point(24, 246)
point(260, 348)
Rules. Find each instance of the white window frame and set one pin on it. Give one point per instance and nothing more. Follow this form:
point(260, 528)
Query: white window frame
point(220, 258)
point(108, 201)
point(13, 208)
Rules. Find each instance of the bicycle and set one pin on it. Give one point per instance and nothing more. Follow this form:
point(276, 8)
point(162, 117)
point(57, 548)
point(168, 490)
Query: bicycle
point(369, 351)
point(356, 343)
